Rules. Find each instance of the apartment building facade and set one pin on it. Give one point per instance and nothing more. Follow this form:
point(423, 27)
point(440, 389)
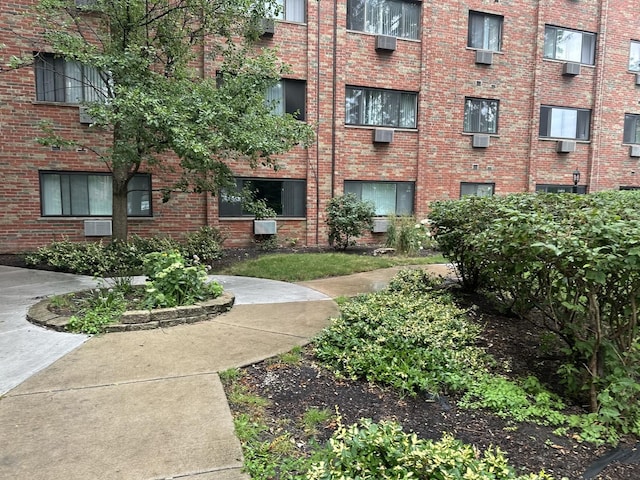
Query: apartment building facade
point(411, 102)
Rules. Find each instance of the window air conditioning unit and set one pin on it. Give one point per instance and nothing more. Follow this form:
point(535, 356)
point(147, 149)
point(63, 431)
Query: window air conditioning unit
point(634, 151)
point(84, 118)
point(484, 57)
point(267, 27)
point(264, 227)
point(383, 135)
point(481, 141)
point(565, 146)
point(380, 225)
point(385, 43)
point(571, 69)
point(97, 228)
point(637, 78)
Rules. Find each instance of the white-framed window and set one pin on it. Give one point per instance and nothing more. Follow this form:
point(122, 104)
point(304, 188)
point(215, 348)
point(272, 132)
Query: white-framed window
point(477, 189)
point(396, 18)
point(288, 96)
point(81, 194)
point(563, 122)
point(384, 108)
point(634, 56)
point(388, 198)
point(60, 80)
point(569, 45)
point(485, 31)
point(631, 129)
point(292, 10)
point(287, 197)
point(480, 115)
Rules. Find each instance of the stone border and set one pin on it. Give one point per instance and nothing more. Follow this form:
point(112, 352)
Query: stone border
point(132, 320)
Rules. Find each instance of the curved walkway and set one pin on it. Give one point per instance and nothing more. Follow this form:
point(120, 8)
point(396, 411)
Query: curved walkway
point(145, 404)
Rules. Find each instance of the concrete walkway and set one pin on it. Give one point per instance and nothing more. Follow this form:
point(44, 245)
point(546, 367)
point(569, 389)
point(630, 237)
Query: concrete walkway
point(146, 404)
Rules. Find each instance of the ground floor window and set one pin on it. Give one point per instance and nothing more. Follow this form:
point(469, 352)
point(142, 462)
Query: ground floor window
point(286, 197)
point(388, 198)
point(477, 189)
point(73, 194)
point(582, 189)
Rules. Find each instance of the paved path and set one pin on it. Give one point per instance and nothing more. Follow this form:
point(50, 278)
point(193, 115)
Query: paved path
point(146, 404)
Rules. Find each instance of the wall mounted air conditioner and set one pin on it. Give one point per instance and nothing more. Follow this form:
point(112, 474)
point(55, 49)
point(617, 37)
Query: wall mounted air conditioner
point(571, 69)
point(383, 135)
point(386, 43)
point(480, 141)
point(484, 57)
point(380, 225)
point(264, 227)
point(565, 146)
point(97, 228)
point(267, 27)
point(83, 116)
point(634, 151)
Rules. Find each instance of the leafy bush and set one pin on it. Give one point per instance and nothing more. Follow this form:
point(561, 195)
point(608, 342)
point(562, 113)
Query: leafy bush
point(382, 450)
point(171, 283)
point(348, 217)
point(408, 236)
point(204, 245)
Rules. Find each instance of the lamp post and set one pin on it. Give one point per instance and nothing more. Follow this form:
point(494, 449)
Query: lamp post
point(576, 179)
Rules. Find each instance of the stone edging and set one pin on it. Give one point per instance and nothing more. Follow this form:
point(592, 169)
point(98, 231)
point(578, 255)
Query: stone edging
point(140, 319)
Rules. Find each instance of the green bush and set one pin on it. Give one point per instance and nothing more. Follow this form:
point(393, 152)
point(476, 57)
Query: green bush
point(105, 306)
point(408, 236)
point(383, 451)
point(203, 245)
point(347, 218)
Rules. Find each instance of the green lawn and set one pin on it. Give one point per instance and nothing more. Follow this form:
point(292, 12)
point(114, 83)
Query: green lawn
point(296, 267)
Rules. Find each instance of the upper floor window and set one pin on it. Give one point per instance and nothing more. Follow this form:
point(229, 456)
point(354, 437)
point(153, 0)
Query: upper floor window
point(396, 18)
point(560, 122)
point(569, 45)
point(631, 129)
point(477, 189)
point(286, 197)
point(292, 10)
point(71, 194)
point(388, 198)
point(634, 56)
point(60, 80)
point(288, 96)
point(480, 115)
point(387, 108)
point(485, 31)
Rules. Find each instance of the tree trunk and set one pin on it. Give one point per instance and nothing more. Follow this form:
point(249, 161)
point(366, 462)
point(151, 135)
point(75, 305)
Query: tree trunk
point(119, 203)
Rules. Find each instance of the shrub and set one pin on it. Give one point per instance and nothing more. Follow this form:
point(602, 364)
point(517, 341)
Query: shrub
point(408, 236)
point(204, 245)
point(348, 217)
point(105, 306)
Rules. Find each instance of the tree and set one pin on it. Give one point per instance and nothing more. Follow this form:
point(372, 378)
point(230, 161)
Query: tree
point(158, 109)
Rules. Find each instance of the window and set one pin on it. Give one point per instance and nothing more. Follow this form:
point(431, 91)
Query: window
point(477, 189)
point(480, 115)
point(581, 189)
point(89, 194)
point(396, 18)
point(288, 96)
point(569, 45)
point(292, 10)
point(485, 31)
point(286, 197)
point(388, 198)
point(559, 122)
point(631, 129)
point(388, 108)
point(634, 56)
point(59, 80)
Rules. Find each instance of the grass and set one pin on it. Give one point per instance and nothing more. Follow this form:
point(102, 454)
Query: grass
point(300, 267)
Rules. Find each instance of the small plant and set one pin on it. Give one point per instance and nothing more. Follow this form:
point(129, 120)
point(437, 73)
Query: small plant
point(171, 283)
point(292, 357)
point(347, 218)
point(408, 236)
point(61, 301)
point(105, 306)
point(313, 418)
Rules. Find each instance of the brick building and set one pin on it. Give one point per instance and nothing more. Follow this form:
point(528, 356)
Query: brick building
point(411, 101)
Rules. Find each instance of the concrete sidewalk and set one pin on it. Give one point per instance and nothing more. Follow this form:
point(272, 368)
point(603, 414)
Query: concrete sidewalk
point(149, 404)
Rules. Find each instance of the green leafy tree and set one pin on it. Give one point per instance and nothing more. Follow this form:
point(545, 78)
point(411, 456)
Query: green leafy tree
point(157, 108)
point(348, 217)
